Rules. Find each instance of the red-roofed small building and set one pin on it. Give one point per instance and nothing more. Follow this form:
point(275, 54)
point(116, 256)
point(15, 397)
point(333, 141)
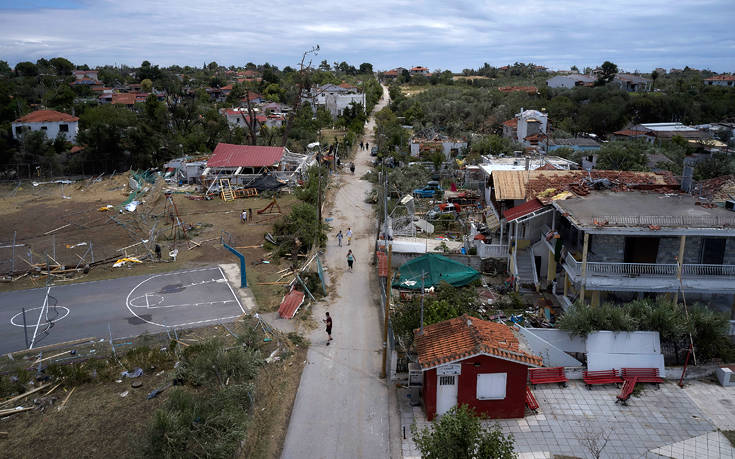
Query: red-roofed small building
point(721, 80)
point(49, 121)
point(229, 159)
point(418, 70)
point(468, 361)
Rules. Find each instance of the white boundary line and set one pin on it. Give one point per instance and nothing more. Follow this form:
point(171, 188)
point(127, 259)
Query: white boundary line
point(40, 314)
point(130, 307)
point(233, 292)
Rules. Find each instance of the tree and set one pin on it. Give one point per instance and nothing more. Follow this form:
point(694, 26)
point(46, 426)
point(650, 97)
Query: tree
point(459, 434)
point(574, 68)
point(654, 77)
point(715, 166)
point(608, 70)
point(26, 69)
point(324, 66)
point(146, 85)
point(623, 156)
point(366, 67)
point(61, 65)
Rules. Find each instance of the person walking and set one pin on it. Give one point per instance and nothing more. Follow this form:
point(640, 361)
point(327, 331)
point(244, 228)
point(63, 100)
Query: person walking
point(367, 146)
point(339, 238)
point(352, 168)
point(350, 259)
point(362, 146)
point(349, 236)
point(244, 216)
point(328, 321)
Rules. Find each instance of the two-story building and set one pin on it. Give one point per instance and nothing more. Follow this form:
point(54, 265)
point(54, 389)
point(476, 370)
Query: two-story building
point(51, 122)
point(603, 241)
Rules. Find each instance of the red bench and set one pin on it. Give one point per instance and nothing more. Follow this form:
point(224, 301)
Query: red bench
point(531, 402)
point(548, 376)
point(627, 389)
point(601, 377)
point(645, 375)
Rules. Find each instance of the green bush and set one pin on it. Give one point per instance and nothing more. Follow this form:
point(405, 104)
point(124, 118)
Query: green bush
point(206, 424)
point(209, 363)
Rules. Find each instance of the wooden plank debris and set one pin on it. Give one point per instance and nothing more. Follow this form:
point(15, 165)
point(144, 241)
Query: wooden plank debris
point(24, 394)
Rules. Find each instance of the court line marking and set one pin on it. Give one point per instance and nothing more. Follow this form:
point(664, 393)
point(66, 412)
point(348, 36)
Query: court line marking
point(12, 319)
point(185, 304)
point(231, 290)
point(40, 314)
point(129, 306)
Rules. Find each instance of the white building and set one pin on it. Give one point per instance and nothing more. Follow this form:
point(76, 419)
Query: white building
point(336, 103)
point(49, 121)
point(721, 80)
point(570, 81)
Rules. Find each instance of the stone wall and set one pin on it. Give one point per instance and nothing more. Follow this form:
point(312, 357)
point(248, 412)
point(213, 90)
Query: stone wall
point(611, 248)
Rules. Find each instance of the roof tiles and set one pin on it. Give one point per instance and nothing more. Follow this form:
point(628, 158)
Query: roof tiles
point(465, 336)
point(46, 116)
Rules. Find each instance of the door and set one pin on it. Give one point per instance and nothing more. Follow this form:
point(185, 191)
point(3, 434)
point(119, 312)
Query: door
point(446, 393)
point(713, 251)
point(641, 249)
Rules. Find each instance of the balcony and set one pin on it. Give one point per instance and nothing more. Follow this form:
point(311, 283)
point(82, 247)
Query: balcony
point(652, 276)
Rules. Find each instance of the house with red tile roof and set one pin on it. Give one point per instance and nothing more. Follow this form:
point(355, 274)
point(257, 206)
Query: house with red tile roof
point(468, 361)
point(721, 80)
point(51, 122)
point(419, 70)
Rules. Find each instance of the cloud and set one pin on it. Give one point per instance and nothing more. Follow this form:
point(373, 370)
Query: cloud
point(438, 34)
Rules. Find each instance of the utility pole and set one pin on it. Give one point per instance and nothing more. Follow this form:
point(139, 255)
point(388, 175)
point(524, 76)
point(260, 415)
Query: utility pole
point(383, 372)
point(319, 197)
point(421, 327)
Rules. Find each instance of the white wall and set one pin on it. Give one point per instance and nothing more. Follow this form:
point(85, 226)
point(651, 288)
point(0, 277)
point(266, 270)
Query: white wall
point(336, 103)
point(52, 129)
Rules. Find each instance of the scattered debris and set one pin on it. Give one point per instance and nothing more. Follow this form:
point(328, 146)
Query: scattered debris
point(124, 394)
point(134, 374)
point(122, 261)
point(63, 404)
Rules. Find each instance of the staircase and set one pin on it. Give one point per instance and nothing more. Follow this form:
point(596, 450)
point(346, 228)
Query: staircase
point(491, 217)
point(525, 267)
point(226, 190)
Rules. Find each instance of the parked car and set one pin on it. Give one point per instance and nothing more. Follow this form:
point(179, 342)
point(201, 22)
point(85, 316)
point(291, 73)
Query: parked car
point(374, 151)
point(429, 191)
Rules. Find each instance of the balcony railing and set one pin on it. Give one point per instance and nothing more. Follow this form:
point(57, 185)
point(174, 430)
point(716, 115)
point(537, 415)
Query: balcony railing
point(649, 269)
point(491, 250)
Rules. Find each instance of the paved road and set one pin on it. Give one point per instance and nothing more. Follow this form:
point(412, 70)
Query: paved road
point(342, 407)
point(130, 305)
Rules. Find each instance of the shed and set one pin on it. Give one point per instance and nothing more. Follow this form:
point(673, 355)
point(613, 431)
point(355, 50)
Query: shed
point(473, 362)
point(244, 158)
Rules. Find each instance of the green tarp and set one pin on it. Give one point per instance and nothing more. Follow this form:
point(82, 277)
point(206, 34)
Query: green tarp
point(436, 268)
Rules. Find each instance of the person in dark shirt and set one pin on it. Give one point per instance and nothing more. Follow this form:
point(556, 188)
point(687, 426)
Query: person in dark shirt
point(328, 321)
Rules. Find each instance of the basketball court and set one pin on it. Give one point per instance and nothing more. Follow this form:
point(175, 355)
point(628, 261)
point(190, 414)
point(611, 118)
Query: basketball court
point(119, 307)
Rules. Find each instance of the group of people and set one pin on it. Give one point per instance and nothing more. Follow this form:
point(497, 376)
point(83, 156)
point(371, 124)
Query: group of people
point(350, 255)
point(246, 216)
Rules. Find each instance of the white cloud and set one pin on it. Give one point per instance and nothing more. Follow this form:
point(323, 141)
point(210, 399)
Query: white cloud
point(440, 34)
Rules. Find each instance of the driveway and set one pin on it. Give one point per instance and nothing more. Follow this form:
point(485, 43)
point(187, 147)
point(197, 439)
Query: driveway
point(342, 408)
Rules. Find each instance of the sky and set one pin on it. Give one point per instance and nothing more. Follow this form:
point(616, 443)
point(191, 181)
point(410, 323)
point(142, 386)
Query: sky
point(443, 34)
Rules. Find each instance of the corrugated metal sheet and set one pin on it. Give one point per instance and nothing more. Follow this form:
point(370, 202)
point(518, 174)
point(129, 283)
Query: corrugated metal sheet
point(522, 209)
point(510, 184)
point(228, 155)
point(290, 304)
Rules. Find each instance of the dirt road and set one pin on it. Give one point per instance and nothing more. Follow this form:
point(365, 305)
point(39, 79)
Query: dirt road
point(342, 407)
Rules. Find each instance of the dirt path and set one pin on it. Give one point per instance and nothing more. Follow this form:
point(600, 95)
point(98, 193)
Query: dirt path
point(342, 407)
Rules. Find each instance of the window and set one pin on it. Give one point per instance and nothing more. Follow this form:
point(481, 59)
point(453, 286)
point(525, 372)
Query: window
point(491, 386)
point(63, 128)
point(44, 128)
point(446, 380)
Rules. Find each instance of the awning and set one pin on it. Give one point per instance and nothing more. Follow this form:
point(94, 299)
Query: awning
point(522, 210)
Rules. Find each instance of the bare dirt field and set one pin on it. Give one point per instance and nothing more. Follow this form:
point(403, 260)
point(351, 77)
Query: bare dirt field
point(73, 210)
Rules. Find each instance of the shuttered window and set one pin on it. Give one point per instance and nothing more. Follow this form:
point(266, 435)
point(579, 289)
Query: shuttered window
point(491, 386)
